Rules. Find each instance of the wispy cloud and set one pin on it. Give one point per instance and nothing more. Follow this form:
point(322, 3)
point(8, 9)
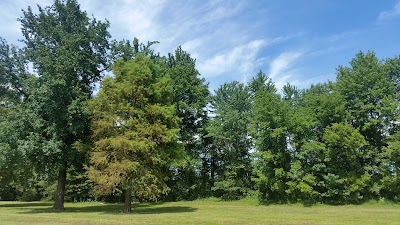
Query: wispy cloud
point(234, 39)
point(129, 18)
point(173, 23)
point(390, 14)
point(282, 69)
point(242, 58)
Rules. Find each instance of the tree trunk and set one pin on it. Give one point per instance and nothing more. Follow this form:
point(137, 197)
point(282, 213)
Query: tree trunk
point(128, 200)
point(60, 193)
point(212, 168)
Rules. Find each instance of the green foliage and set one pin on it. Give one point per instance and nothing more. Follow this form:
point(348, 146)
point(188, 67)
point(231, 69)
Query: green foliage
point(15, 169)
point(79, 188)
point(370, 96)
point(328, 143)
point(347, 182)
point(370, 92)
point(350, 154)
point(69, 52)
point(390, 188)
point(126, 51)
point(270, 130)
point(189, 179)
point(326, 105)
point(228, 130)
point(13, 75)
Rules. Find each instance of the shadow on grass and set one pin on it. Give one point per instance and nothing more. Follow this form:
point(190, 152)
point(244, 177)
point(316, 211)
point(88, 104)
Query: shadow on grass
point(24, 204)
point(309, 203)
point(147, 208)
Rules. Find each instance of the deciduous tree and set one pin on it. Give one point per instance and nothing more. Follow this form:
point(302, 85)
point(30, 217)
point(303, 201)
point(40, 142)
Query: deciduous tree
point(68, 51)
point(228, 129)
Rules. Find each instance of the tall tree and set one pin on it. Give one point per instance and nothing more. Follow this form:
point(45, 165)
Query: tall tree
point(370, 95)
point(270, 131)
point(229, 132)
point(135, 131)
point(190, 96)
point(68, 51)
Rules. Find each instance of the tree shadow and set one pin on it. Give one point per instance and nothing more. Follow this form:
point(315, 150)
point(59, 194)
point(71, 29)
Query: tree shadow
point(137, 208)
point(305, 203)
point(24, 204)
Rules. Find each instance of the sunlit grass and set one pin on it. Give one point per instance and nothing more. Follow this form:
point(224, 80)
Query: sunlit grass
point(208, 211)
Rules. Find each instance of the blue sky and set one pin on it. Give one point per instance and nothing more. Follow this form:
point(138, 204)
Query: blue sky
point(296, 41)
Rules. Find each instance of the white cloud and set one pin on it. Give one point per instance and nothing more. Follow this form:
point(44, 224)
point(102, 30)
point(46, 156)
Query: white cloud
point(213, 32)
point(193, 46)
point(240, 60)
point(223, 9)
point(172, 23)
point(209, 31)
point(282, 64)
point(282, 70)
point(390, 14)
point(128, 18)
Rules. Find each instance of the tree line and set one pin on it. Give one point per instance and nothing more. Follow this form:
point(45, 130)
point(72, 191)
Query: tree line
point(153, 131)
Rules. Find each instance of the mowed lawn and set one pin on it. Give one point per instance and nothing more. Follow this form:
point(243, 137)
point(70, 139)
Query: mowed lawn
point(209, 211)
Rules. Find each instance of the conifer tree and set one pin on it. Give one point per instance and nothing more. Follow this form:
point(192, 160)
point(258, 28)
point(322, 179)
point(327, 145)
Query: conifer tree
point(135, 131)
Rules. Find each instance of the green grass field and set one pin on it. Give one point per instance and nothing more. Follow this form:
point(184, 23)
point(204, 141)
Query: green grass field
point(209, 211)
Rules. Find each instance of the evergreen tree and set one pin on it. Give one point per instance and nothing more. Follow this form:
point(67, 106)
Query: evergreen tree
point(135, 131)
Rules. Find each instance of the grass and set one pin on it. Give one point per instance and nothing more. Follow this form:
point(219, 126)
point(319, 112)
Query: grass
point(208, 211)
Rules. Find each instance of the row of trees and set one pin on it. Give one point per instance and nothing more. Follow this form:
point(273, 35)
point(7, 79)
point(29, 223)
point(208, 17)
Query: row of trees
point(153, 130)
point(335, 142)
